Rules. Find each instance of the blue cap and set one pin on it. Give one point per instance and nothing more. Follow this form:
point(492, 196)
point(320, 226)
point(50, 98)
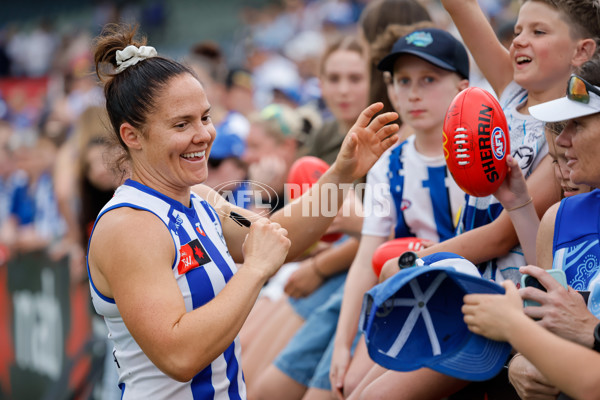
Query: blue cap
point(414, 320)
point(230, 140)
point(433, 45)
point(227, 145)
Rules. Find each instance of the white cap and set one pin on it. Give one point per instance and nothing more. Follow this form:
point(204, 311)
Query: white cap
point(563, 109)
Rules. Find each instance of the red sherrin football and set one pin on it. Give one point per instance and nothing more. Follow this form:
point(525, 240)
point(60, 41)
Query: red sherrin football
point(394, 248)
point(303, 173)
point(476, 141)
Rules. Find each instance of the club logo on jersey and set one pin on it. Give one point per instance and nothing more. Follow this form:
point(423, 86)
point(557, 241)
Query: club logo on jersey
point(199, 229)
point(498, 143)
point(178, 223)
point(192, 255)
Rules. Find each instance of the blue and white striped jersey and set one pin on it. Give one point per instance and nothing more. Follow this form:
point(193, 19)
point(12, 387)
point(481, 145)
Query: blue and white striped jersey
point(202, 267)
point(411, 195)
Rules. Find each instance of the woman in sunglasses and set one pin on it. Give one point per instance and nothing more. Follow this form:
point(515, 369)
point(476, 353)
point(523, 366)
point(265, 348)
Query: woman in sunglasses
point(568, 240)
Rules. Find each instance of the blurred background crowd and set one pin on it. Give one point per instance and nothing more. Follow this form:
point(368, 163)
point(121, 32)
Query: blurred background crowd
point(258, 59)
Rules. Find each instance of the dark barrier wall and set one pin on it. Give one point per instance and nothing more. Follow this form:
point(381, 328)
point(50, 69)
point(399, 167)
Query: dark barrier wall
point(45, 330)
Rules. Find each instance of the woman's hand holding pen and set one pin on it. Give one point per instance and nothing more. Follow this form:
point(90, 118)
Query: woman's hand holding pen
point(265, 247)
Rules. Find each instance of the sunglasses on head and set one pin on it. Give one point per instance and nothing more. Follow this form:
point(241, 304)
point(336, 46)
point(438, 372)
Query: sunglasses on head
point(578, 89)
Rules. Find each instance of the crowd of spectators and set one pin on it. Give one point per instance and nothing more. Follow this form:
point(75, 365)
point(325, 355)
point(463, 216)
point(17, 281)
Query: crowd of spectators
point(57, 163)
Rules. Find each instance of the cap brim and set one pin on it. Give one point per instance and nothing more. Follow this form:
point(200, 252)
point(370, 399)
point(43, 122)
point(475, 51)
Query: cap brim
point(479, 359)
point(564, 109)
point(387, 63)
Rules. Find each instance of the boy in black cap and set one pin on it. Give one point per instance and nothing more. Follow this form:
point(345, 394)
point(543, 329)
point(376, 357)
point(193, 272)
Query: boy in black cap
point(429, 67)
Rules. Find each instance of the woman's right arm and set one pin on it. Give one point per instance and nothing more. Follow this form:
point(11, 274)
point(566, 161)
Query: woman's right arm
point(492, 58)
point(134, 266)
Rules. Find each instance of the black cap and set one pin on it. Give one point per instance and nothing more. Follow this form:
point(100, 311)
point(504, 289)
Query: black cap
point(433, 45)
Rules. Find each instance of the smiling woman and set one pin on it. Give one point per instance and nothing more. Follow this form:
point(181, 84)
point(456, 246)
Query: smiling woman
point(179, 156)
point(162, 264)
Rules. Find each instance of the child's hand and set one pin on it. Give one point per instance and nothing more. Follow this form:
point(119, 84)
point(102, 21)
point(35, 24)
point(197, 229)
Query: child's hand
point(340, 360)
point(528, 381)
point(490, 314)
point(513, 191)
point(303, 281)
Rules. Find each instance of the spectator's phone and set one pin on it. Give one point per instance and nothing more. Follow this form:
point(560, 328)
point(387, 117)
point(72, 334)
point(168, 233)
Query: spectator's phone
point(528, 280)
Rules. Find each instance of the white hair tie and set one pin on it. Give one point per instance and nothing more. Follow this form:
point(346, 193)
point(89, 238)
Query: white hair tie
point(131, 55)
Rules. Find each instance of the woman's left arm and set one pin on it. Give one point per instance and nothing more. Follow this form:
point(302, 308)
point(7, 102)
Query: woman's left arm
point(308, 217)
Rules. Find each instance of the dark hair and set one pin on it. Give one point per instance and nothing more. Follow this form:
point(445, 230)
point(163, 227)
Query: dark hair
point(374, 20)
point(92, 197)
point(382, 46)
point(379, 14)
point(207, 56)
point(590, 70)
point(131, 94)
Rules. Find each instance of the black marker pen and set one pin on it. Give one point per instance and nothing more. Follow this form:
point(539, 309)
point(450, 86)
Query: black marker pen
point(240, 219)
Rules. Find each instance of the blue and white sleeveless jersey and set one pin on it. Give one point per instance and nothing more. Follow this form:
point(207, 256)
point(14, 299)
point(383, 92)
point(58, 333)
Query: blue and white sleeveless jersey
point(411, 195)
point(576, 243)
point(202, 267)
point(528, 146)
